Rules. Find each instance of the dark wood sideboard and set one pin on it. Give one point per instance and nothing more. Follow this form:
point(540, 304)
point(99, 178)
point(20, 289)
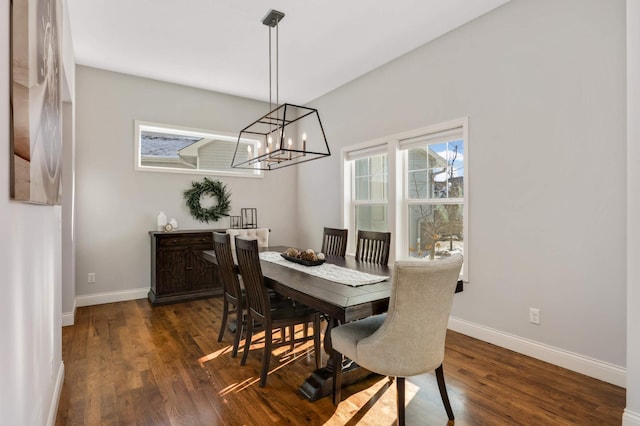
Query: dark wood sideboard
point(178, 271)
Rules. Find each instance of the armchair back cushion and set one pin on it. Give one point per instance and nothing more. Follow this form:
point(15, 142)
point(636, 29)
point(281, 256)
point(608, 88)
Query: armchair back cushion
point(409, 339)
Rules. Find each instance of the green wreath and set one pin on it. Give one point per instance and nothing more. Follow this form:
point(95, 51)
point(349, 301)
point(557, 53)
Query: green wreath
point(214, 188)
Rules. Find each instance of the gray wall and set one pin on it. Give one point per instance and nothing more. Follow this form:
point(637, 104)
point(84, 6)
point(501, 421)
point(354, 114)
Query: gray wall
point(543, 85)
point(632, 410)
point(31, 367)
point(117, 206)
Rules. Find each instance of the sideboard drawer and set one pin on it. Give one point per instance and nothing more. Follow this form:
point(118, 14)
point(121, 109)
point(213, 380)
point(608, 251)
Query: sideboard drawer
point(181, 240)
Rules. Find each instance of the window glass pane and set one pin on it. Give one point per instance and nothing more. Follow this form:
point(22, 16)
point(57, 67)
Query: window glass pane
point(362, 167)
point(379, 187)
point(157, 149)
point(418, 184)
point(362, 188)
point(435, 230)
point(378, 164)
point(418, 159)
point(438, 182)
point(371, 218)
point(456, 163)
point(438, 170)
point(371, 178)
point(437, 155)
point(444, 165)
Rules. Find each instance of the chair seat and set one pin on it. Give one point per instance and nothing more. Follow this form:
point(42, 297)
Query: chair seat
point(276, 299)
point(345, 338)
point(277, 302)
point(285, 311)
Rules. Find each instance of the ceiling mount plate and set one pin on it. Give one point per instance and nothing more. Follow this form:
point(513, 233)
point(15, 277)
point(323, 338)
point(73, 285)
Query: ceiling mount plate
point(272, 18)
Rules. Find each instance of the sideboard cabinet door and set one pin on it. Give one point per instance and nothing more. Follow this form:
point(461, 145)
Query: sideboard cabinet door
point(178, 270)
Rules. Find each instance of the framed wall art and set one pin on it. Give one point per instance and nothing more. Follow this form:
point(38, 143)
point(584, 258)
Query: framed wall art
point(36, 103)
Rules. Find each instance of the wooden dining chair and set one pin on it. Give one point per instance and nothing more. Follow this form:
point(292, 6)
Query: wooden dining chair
point(409, 339)
point(234, 296)
point(334, 241)
point(260, 310)
point(372, 246)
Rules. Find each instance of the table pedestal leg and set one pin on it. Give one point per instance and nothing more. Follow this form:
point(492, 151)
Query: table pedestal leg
point(320, 383)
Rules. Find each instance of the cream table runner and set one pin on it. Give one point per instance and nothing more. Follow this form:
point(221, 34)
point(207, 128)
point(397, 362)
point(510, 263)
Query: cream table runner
point(326, 271)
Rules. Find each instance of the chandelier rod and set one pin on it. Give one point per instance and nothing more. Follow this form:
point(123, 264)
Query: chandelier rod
point(270, 75)
point(277, 64)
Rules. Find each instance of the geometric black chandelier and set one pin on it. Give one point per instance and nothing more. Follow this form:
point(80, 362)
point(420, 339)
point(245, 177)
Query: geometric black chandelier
point(287, 135)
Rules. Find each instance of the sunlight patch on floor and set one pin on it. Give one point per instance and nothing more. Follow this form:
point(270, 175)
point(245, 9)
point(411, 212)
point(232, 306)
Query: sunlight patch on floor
point(214, 355)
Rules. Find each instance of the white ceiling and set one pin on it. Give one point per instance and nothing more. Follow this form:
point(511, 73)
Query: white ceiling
point(222, 45)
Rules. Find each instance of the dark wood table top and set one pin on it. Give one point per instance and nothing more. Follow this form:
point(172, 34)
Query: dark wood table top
point(340, 301)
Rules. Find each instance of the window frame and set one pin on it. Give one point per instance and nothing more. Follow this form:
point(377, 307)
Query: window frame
point(398, 202)
point(140, 126)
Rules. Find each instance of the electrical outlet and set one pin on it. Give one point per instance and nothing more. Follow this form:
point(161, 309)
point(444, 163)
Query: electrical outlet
point(91, 277)
point(534, 315)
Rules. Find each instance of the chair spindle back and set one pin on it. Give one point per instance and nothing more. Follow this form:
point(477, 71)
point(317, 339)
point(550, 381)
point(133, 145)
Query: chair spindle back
point(334, 241)
point(372, 246)
point(249, 264)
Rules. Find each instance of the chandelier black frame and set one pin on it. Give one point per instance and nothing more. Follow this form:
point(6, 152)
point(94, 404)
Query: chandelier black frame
point(287, 135)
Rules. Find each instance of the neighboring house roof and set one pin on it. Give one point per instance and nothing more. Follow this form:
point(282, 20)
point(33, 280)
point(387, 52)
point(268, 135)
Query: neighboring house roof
point(192, 149)
point(164, 145)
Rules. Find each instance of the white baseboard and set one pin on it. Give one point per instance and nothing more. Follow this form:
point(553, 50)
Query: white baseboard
point(69, 318)
point(579, 363)
point(55, 399)
point(630, 418)
point(112, 296)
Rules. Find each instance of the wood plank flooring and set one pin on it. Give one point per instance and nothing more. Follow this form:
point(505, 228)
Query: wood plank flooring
point(129, 363)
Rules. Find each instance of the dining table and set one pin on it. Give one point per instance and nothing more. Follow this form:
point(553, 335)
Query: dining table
point(339, 302)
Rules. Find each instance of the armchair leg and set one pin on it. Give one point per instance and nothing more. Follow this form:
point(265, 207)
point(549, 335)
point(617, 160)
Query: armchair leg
point(337, 376)
point(400, 400)
point(443, 392)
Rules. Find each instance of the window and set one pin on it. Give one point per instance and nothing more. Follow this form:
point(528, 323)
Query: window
point(434, 200)
point(366, 191)
point(370, 186)
point(424, 170)
point(163, 148)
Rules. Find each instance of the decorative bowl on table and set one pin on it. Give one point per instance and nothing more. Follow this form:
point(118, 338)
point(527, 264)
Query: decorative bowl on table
point(304, 257)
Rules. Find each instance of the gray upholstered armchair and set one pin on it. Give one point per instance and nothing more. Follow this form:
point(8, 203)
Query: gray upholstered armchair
point(409, 339)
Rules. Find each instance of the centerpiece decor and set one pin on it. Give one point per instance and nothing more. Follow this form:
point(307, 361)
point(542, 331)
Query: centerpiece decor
point(213, 188)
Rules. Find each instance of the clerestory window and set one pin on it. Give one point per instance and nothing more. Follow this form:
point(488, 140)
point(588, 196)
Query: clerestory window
point(163, 148)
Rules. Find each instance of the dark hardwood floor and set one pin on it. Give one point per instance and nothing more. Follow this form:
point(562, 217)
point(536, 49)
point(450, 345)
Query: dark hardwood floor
point(128, 363)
